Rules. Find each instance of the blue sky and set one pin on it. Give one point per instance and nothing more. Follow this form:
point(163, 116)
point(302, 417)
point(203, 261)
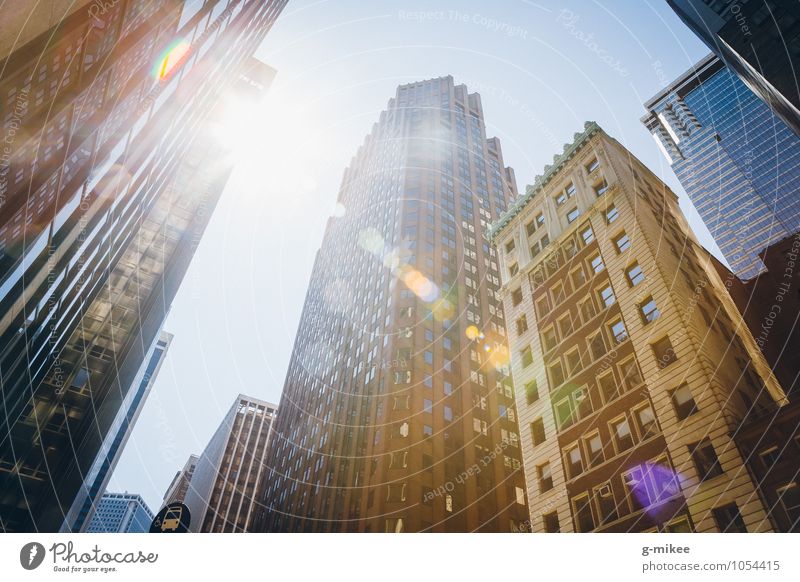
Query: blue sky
point(543, 68)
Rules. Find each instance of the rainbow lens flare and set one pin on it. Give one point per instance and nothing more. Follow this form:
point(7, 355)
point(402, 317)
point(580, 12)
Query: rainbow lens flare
point(171, 58)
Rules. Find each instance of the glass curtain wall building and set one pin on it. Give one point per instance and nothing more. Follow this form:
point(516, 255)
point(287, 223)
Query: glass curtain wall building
point(398, 412)
point(105, 191)
point(121, 513)
point(738, 162)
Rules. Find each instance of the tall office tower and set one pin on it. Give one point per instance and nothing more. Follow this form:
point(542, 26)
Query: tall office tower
point(179, 487)
point(221, 496)
point(121, 513)
point(739, 163)
point(759, 40)
point(108, 178)
point(636, 366)
point(398, 413)
point(96, 480)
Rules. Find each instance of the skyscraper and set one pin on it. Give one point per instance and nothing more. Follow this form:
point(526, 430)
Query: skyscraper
point(398, 412)
point(98, 476)
point(179, 486)
point(760, 41)
point(108, 178)
point(121, 513)
point(221, 495)
point(636, 366)
point(738, 162)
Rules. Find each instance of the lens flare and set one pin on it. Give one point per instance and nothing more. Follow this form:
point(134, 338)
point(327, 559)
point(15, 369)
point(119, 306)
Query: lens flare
point(173, 56)
point(473, 332)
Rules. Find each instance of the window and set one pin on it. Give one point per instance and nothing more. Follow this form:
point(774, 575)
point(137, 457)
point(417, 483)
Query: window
point(608, 386)
point(561, 199)
point(537, 432)
point(539, 219)
point(728, 519)
point(543, 306)
point(680, 525)
point(570, 190)
point(597, 264)
point(648, 310)
point(630, 374)
point(545, 478)
point(522, 325)
point(664, 353)
point(428, 357)
point(594, 449)
point(621, 431)
point(587, 309)
point(556, 373)
point(769, 457)
point(597, 346)
point(578, 277)
point(427, 430)
point(516, 297)
point(565, 326)
point(396, 493)
point(683, 402)
point(635, 274)
point(551, 524)
point(604, 501)
point(510, 246)
point(448, 414)
point(789, 498)
point(513, 269)
point(647, 422)
point(607, 296)
point(427, 405)
point(618, 331)
point(573, 215)
point(574, 461)
point(622, 242)
point(592, 165)
point(611, 214)
point(530, 228)
point(705, 459)
point(527, 357)
point(601, 188)
point(549, 339)
point(587, 235)
point(564, 413)
point(573, 359)
point(583, 513)
point(531, 392)
point(650, 483)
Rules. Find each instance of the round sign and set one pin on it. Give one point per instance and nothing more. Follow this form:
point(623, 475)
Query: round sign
point(174, 518)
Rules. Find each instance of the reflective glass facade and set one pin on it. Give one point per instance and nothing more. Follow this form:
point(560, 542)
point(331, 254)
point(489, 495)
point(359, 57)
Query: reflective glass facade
point(738, 162)
point(121, 513)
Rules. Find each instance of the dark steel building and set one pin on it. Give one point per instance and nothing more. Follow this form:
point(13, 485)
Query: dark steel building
point(108, 177)
point(222, 490)
point(398, 413)
point(759, 40)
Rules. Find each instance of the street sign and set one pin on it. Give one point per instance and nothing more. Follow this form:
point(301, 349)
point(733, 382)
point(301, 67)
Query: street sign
point(174, 518)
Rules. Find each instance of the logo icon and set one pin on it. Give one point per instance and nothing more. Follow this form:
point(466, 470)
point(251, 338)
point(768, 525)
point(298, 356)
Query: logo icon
point(31, 555)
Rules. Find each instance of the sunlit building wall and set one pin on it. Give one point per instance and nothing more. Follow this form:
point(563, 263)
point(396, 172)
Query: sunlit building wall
point(176, 492)
point(636, 369)
point(109, 179)
point(398, 413)
point(221, 494)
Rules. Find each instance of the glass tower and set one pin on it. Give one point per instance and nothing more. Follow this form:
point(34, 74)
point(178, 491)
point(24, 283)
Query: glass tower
point(738, 162)
point(121, 513)
point(398, 412)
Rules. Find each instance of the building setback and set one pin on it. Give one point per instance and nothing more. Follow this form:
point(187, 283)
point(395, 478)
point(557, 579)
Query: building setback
point(221, 494)
point(96, 480)
point(737, 161)
point(760, 41)
point(104, 194)
point(636, 366)
point(179, 487)
point(121, 513)
point(398, 412)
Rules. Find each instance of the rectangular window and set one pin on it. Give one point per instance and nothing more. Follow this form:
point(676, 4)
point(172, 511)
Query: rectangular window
point(549, 339)
point(545, 478)
point(607, 296)
point(573, 359)
point(573, 215)
point(605, 503)
point(539, 219)
point(543, 306)
point(647, 422)
point(705, 459)
point(728, 519)
point(510, 246)
point(592, 165)
point(561, 199)
point(629, 372)
point(427, 405)
point(556, 374)
point(565, 326)
point(522, 325)
point(635, 274)
point(594, 449)
point(587, 235)
point(789, 498)
point(663, 352)
point(621, 431)
point(537, 432)
point(527, 357)
point(597, 264)
point(597, 346)
point(601, 188)
point(583, 513)
point(551, 524)
point(618, 331)
point(611, 214)
point(574, 461)
point(683, 402)
point(587, 309)
point(622, 242)
point(564, 413)
point(578, 278)
point(530, 228)
point(531, 392)
point(516, 297)
point(513, 269)
point(570, 190)
point(608, 386)
point(648, 310)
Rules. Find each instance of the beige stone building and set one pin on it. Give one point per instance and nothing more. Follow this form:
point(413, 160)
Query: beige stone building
point(632, 366)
